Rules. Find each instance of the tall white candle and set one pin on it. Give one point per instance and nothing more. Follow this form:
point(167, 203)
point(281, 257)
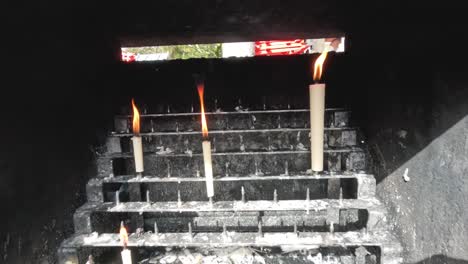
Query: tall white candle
point(138, 153)
point(317, 122)
point(317, 115)
point(208, 168)
point(136, 139)
point(206, 145)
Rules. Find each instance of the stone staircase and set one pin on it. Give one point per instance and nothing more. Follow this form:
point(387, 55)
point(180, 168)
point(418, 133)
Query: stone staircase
point(268, 207)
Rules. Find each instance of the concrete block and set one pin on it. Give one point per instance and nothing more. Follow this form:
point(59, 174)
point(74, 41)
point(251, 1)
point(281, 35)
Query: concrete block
point(94, 191)
point(82, 222)
point(341, 119)
point(366, 186)
point(113, 145)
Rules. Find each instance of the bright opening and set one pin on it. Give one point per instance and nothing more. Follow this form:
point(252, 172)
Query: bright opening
point(234, 49)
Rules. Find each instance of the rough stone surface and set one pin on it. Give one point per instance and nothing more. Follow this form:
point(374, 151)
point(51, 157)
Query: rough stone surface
point(94, 191)
point(166, 164)
point(82, 222)
point(366, 186)
point(348, 215)
point(437, 202)
point(261, 187)
point(237, 140)
point(421, 163)
point(298, 118)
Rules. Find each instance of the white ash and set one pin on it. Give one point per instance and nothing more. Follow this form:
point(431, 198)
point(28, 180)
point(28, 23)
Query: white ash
point(189, 152)
point(402, 134)
point(406, 178)
point(240, 255)
point(300, 146)
point(163, 151)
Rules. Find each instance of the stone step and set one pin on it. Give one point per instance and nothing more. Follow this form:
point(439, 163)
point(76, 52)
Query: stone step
point(77, 248)
point(232, 163)
point(234, 140)
point(241, 120)
point(321, 186)
point(270, 255)
point(317, 215)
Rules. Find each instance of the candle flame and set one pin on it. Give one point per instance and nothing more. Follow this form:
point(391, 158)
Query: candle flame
point(318, 66)
point(201, 88)
point(136, 118)
point(123, 235)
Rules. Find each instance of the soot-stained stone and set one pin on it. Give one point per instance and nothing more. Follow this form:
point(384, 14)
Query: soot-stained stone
point(82, 222)
point(68, 255)
point(231, 190)
point(94, 191)
point(233, 141)
point(234, 164)
point(334, 162)
point(366, 186)
point(348, 138)
point(113, 145)
point(355, 160)
point(377, 220)
point(340, 119)
point(333, 188)
point(272, 221)
point(232, 120)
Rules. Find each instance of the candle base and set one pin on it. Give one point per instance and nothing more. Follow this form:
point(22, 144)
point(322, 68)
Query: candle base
point(126, 256)
point(316, 172)
point(139, 175)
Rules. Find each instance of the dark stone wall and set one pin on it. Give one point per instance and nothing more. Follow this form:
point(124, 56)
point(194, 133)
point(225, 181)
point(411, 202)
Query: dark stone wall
point(425, 133)
point(413, 109)
point(57, 58)
point(404, 77)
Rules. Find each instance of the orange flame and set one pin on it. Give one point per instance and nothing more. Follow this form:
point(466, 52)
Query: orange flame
point(201, 88)
point(318, 66)
point(136, 118)
point(123, 235)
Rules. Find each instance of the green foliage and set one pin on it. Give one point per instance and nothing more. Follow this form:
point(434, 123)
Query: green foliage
point(183, 51)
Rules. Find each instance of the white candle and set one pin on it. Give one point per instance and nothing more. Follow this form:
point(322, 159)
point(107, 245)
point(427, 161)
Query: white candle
point(206, 145)
point(136, 139)
point(126, 256)
point(317, 115)
point(208, 168)
point(317, 122)
point(138, 153)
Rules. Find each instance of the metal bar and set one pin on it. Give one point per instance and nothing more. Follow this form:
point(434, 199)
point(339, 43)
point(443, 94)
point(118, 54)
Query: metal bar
point(337, 150)
point(214, 132)
point(155, 179)
point(229, 206)
point(235, 112)
point(376, 238)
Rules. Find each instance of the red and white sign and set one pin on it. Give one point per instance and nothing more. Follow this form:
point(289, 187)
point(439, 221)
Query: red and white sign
point(280, 47)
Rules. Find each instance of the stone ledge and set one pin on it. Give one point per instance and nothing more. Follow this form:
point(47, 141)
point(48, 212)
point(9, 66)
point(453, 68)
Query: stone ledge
point(291, 118)
point(164, 164)
point(279, 213)
point(365, 183)
point(234, 140)
point(390, 248)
